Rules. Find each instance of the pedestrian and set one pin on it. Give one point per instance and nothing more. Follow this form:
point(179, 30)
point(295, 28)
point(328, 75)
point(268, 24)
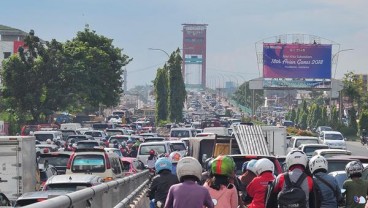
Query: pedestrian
point(161, 183)
point(258, 186)
point(223, 193)
point(356, 188)
point(291, 189)
point(327, 191)
point(188, 193)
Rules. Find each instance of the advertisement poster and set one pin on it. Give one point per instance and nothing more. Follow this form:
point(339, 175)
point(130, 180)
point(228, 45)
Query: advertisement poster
point(308, 61)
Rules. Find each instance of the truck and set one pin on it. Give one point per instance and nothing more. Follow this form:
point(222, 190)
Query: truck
point(275, 137)
point(18, 166)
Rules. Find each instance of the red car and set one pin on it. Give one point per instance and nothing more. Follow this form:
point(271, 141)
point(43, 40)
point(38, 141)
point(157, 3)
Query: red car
point(131, 165)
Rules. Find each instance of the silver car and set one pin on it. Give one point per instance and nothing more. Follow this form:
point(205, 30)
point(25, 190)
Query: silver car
point(72, 182)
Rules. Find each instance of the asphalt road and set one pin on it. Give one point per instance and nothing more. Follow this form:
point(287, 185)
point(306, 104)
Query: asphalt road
point(357, 148)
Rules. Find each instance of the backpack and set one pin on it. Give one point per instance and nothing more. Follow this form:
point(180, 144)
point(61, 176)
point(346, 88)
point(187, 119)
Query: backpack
point(292, 195)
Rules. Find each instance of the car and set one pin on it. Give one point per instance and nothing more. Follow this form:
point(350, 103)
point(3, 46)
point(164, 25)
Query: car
point(45, 148)
point(97, 162)
point(146, 135)
point(240, 159)
point(37, 196)
point(182, 132)
point(159, 147)
point(43, 136)
point(76, 138)
point(119, 138)
point(131, 165)
point(296, 141)
point(178, 146)
point(309, 149)
point(88, 144)
point(57, 159)
point(331, 152)
point(46, 171)
point(319, 129)
point(67, 132)
point(334, 139)
point(113, 150)
point(340, 177)
point(336, 163)
point(117, 131)
point(96, 134)
point(154, 139)
point(71, 183)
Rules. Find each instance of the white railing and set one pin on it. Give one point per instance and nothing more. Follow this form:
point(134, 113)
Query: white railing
point(118, 193)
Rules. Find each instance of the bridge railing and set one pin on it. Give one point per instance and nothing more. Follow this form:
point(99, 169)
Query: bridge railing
point(118, 193)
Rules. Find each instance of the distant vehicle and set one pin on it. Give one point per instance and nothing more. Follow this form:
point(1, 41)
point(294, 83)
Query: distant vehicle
point(102, 126)
point(88, 144)
point(288, 123)
point(46, 148)
point(113, 150)
point(309, 149)
point(57, 159)
point(336, 163)
point(28, 129)
point(296, 141)
point(333, 139)
point(182, 132)
point(178, 146)
point(70, 126)
point(119, 138)
point(76, 138)
point(96, 134)
point(43, 136)
point(205, 134)
point(67, 132)
point(71, 183)
point(158, 147)
point(323, 128)
point(37, 196)
point(113, 132)
point(46, 171)
point(131, 165)
point(217, 130)
point(154, 139)
point(331, 152)
point(145, 135)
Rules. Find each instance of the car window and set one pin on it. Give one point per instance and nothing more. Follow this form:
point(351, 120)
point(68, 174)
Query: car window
point(310, 150)
point(115, 165)
point(55, 161)
point(88, 163)
point(177, 146)
point(159, 149)
point(305, 141)
point(43, 137)
point(336, 165)
point(67, 186)
point(179, 133)
point(87, 144)
point(333, 137)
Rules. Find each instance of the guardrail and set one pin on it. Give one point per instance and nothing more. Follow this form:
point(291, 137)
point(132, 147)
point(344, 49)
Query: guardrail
point(118, 193)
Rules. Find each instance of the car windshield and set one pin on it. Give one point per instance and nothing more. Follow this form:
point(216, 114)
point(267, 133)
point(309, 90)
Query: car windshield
point(179, 133)
point(119, 139)
point(333, 137)
point(178, 146)
point(325, 128)
point(114, 132)
point(93, 133)
point(88, 163)
point(310, 150)
point(159, 149)
point(306, 141)
point(87, 144)
point(55, 161)
point(76, 139)
point(43, 137)
point(67, 186)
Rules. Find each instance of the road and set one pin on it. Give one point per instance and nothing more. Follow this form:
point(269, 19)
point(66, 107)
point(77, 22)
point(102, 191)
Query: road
point(356, 148)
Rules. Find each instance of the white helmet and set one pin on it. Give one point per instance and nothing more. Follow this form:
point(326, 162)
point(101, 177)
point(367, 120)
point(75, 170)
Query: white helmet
point(317, 162)
point(263, 165)
point(48, 141)
point(353, 167)
point(296, 157)
point(189, 166)
point(175, 156)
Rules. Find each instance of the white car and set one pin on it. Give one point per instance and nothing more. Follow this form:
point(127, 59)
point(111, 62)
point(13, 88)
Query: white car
point(333, 139)
point(296, 141)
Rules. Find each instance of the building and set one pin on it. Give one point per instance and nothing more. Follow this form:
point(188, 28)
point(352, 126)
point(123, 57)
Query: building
point(10, 40)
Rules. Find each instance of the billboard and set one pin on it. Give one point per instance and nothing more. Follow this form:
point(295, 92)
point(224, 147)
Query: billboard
point(296, 84)
point(307, 61)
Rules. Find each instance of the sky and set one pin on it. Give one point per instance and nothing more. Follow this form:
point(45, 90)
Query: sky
point(234, 26)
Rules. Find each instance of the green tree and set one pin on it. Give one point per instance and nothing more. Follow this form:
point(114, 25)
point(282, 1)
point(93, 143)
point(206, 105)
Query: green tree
point(161, 94)
point(353, 89)
point(303, 120)
point(243, 96)
point(177, 93)
point(352, 120)
point(363, 120)
point(293, 115)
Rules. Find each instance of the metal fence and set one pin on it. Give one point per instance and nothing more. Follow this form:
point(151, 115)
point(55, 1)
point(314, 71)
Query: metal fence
point(118, 193)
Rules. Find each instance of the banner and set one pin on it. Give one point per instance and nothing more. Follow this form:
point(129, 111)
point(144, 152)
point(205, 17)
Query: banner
point(297, 84)
point(305, 61)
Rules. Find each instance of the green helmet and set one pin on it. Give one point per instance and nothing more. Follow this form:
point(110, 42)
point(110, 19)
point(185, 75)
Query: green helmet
point(223, 165)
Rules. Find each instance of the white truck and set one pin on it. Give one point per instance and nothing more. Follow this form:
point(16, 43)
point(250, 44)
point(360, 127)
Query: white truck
point(276, 139)
point(18, 166)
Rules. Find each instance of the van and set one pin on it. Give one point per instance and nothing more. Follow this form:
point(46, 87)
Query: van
point(42, 136)
point(182, 132)
point(70, 126)
point(158, 147)
point(96, 162)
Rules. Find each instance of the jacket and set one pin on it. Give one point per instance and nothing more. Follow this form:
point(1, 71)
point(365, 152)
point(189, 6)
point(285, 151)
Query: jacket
point(328, 196)
point(224, 197)
point(257, 189)
point(161, 184)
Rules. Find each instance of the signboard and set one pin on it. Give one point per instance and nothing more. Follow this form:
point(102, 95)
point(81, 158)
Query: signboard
point(307, 61)
point(193, 59)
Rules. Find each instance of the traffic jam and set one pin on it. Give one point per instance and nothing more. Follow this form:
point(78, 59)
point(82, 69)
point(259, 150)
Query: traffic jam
point(50, 160)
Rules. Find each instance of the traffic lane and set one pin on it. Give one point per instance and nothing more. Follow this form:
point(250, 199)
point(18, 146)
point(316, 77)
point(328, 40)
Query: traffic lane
point(356, 148)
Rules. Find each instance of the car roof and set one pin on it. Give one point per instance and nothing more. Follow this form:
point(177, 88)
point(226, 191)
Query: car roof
point(304, 137)
point(153, 143)
point(313, 145)
point(72, 178)
point(41, 194)
point(55, 154)
point(88, 141)
point(331, 132)
point(332, 150)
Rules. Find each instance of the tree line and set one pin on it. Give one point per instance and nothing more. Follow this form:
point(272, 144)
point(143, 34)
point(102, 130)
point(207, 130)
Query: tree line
point(49, 76)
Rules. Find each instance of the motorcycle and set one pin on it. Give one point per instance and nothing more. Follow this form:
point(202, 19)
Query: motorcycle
point(363, 140)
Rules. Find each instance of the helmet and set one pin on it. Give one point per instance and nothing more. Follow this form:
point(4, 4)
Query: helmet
point(163, 164)
point(317, 162)
point(152, 152)
point(296, 157)
point(130, 141)
point(249, 165)
point(175, 157)
point(189, 166)
point(48, 141)
point(263, 165)
point(353, 167)
point(223, 165)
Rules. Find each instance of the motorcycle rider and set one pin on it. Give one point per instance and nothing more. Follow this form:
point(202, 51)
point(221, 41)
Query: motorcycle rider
point(162, 182)
point(356, 188)
point(364, 137)
point(188, 193)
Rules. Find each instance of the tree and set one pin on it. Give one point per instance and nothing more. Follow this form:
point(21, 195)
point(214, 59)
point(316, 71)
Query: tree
point(243, 95)
point(177, 93)
point(363, 120)
point(97, 69)
point(352, 120)
point(353, 89)
point(161, 94)
point(293, 115)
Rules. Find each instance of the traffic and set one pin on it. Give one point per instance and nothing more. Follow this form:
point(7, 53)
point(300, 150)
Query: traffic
point(248, 161)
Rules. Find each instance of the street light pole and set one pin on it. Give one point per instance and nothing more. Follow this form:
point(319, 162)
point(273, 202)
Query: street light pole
point(335, 55)
point(159, 49)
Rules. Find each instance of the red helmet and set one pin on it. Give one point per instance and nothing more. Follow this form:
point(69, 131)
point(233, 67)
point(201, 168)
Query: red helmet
point(152, 152)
